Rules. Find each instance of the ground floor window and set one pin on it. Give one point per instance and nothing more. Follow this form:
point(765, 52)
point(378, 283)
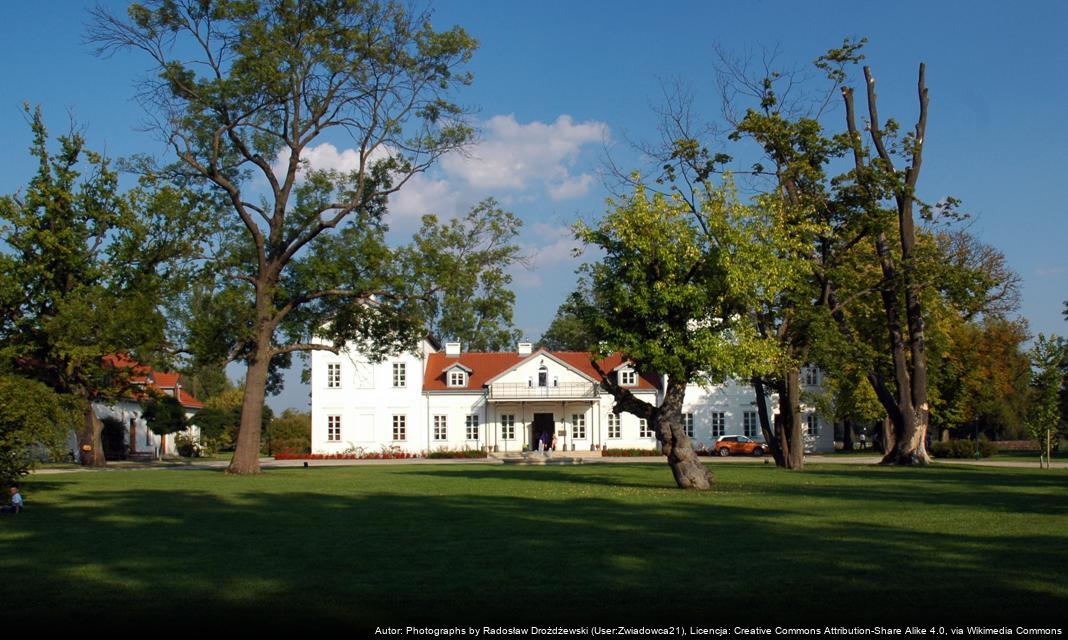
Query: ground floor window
point(643, 429)
point(400, 428)
point(508, 427)
point(333, 428)
point(441, 431)
point(472, 427)
point(813, 425)
point(719, 423)
point(578, 424)
point(687, 424)
point(749, 424)
point(614, 430)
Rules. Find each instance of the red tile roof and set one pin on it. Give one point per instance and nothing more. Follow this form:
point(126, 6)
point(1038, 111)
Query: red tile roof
point(486, 366)
point(165, 381)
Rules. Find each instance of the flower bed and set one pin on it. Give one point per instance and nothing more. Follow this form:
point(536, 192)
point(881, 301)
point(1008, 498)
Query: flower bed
point(465, 453)
point(382, 455)
point(629, 453)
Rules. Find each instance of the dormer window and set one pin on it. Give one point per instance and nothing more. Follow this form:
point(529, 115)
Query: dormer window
point(457, 378)
point(628, 378)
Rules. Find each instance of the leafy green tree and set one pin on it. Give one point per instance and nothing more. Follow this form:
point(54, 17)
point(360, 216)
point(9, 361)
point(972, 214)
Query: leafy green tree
point(1045, 420)
point(165, 415)
point(458, 268)
point(567, 332)
point(242, 91)
point(289, 433)
point(32, 417)
point(668, 294)
point(85, 271)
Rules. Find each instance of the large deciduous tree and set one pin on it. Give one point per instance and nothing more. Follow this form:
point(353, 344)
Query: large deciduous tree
point(668, 294)
point(242, 90)
point(85, 272)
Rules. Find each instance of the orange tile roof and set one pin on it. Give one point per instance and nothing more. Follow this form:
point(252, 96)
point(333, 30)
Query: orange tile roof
point(486, 366)
point(161, 380)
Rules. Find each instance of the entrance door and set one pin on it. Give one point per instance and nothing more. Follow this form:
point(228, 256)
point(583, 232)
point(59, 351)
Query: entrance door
point(543, 423)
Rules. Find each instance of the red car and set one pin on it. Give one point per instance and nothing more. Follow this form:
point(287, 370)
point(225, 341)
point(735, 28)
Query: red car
point(739, 445)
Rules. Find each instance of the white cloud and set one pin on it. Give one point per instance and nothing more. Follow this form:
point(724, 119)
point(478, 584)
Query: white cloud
point(519, 156)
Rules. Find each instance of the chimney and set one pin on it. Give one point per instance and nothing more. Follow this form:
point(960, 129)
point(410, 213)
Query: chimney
point(452, 349)
point(525, 348)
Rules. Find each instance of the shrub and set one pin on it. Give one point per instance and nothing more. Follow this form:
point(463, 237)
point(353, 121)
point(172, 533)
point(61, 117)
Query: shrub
point(962, 449)
point(187, 445)
point(629, 453)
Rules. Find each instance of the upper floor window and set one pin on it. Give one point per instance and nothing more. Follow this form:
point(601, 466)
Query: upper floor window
point(333, 375)
point(628, 378)
point(457, 378)
point(810, 376)
point(400, 374)
point(543, 376)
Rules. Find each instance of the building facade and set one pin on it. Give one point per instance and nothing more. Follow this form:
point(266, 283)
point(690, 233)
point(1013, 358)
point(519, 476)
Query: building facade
point(503, 401)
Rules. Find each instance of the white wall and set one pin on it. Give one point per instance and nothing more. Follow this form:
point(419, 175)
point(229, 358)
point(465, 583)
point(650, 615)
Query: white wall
point(366, 401)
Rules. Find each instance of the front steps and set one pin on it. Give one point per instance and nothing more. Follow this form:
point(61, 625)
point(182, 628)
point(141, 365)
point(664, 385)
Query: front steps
point(538, 458)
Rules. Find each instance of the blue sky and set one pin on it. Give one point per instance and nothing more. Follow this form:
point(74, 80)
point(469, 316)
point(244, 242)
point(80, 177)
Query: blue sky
point(555, 80)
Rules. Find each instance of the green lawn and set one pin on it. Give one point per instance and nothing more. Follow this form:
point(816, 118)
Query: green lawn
point(593, 544)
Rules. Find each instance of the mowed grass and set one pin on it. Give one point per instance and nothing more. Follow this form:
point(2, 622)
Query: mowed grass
point(592, 544)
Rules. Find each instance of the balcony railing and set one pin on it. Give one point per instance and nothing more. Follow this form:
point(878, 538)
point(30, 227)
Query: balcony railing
point(524, 391)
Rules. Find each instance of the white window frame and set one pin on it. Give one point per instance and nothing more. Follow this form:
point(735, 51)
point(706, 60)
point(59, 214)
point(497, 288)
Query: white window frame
point(400, 375)
point(643, 429)
point(457, 378)
point(687, 424)
point(812, 425)
point(718, 424)
point(750, 424)
point(578, 426)
point(471, 424)
point(333, 375)
point(441, 428)
point(400, 427)
point(628, 378)
point(615, 427)
point(333, 428)
point(508, 426)
point(811, 376)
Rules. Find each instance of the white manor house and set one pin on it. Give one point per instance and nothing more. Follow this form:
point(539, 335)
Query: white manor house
point(503, 401)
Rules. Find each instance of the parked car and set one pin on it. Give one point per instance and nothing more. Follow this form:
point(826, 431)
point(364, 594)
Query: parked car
point(739, 445)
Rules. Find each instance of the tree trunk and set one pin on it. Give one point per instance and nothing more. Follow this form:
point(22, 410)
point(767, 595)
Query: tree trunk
point(686, 466)
point(790, 421)
point(246, 460)
point(766, 426)
point(89, 435)
point(847, 435)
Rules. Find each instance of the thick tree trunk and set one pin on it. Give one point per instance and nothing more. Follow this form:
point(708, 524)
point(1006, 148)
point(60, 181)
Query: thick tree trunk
point(246, 460)
point(89, 436)
point(847, 435)
point(686, 466)
point(790, 421)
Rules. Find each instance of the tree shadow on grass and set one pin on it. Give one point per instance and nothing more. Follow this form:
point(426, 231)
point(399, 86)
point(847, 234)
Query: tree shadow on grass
point(315, 551)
